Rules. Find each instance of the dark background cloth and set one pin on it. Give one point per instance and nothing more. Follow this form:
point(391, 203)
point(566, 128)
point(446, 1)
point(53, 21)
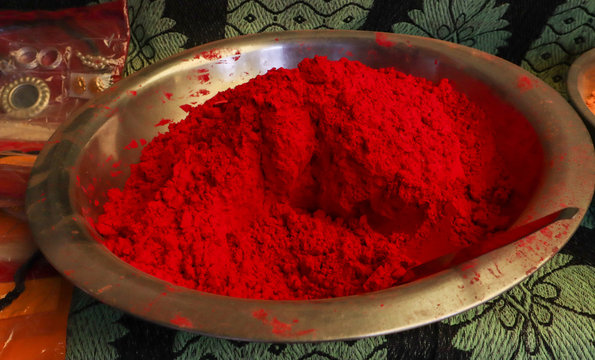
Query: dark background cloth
point(551, 315)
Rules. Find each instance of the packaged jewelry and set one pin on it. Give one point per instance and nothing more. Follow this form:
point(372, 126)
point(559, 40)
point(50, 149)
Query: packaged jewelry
point(88, 85)
point(51, 62)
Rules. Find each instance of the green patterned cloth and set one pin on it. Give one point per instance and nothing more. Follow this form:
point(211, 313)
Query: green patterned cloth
point(551, 315)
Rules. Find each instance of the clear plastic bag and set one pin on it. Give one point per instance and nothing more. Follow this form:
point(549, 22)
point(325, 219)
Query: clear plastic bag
point(53, 61)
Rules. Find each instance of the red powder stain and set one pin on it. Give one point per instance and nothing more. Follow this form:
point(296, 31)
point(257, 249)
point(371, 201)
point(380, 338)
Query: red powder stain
point(524, 83)
point(547, 232)
point(436, 62)
point(131, 92)
point(148, 307)
point(172, 289)
point(381, 305)
point(68, 272)
point(96, 202)
point(132, 145)
point(348, 53)
point(186, 107)
point(117, 164)
point(203, 78)
point(467, 266)
point(168, 95)
point(531, 270)
point(236, 55)
point(163, 122)
point(382, 40)
point(201, 92)
point(106, 287)
point(143, 142)
point(260, 314)
point(107, 107)
point(278, 327)
point(115, 173)
point(276, 39)
point(181, 321)
point(209, 55)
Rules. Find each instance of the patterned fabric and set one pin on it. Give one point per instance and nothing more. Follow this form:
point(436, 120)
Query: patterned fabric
point(248, 17)
point(551, 315)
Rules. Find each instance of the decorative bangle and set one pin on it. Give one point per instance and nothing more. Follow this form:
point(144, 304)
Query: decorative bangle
point(25, 97)
point(25, 57)
point(96, 62)
point(46, 55)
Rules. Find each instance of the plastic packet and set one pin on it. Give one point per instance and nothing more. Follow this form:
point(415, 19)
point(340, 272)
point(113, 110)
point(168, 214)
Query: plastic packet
point(34, 299)
point(53, 61)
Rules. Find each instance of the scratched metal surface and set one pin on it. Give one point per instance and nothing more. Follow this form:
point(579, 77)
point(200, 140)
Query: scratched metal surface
point(91, 151)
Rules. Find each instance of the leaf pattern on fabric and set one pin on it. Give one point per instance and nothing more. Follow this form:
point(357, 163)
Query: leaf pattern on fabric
point(92, 327)
point(476, 23)
point(191, 346)
point(543, 317)
point(151, 38)
point(569, 32)
point(253, 16)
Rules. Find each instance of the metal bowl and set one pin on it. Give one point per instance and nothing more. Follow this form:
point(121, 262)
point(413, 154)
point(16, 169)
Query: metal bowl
point(580, 84)
point(70, 178)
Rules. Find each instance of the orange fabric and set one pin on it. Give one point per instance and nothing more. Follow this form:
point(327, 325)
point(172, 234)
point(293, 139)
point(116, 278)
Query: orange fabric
point(18, 160)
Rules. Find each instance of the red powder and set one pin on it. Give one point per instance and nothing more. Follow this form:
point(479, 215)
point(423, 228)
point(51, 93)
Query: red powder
point(163, 122)
point(132, 145)
point(382, 40)
point(327, 180)
point(209, 55)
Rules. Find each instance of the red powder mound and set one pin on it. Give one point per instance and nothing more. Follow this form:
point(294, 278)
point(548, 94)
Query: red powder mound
point(327, 180)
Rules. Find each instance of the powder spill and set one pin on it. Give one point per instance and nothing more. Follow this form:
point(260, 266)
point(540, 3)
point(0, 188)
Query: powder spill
point(382, 40)
point(327, 180)
point(163, 122)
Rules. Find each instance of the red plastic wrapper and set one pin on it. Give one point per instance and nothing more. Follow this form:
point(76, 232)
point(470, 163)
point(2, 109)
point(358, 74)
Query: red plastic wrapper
point(53, 61)
point(14, 176)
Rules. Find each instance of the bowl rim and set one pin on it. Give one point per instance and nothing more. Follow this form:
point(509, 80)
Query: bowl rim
point(63, 237)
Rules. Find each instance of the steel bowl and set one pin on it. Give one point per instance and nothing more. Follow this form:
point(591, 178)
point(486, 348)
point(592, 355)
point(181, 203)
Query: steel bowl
point(90, 152)
point(580, 83)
